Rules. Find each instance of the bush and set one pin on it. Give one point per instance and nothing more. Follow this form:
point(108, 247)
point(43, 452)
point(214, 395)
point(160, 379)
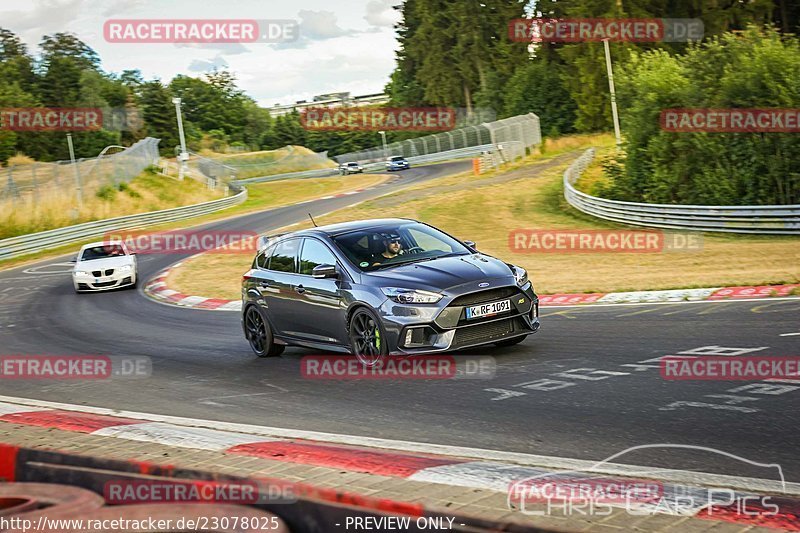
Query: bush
point(752, 69)
point(106, 192)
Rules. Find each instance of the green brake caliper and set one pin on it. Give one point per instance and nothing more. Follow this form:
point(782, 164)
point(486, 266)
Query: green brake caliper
point(377, 338)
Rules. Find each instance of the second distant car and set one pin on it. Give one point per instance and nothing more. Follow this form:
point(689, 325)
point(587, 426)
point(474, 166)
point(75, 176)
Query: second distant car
point(104, 265)
point(350, 168)
point(397, 162)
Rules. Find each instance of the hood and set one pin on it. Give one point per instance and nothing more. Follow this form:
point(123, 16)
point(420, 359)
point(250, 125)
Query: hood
point(106, 262)
point(442, 274)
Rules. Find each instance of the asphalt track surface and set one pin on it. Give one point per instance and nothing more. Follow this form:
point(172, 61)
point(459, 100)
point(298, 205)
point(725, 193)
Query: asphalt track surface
point(564, 392)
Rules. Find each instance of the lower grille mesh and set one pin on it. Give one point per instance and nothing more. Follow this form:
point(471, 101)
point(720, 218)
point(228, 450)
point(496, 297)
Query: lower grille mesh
point(484, 332)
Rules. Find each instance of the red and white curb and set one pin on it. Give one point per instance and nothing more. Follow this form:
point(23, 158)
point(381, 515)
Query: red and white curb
point(157, 288)
point(469, 471)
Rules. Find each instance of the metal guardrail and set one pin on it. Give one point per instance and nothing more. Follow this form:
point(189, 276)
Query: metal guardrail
point(44, 240)
point(469, 151)
point(766, 219)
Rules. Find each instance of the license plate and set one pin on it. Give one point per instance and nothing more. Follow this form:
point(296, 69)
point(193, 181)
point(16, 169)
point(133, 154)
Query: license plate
point(100, 280)
point(491, 308)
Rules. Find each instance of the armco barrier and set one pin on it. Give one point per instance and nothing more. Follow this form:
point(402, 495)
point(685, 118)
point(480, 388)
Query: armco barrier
point(767, 219)
point(79, 480)
point(44, 240)
point(378, 165)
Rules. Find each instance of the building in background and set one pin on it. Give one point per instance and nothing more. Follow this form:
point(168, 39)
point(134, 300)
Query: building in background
point(339, 99)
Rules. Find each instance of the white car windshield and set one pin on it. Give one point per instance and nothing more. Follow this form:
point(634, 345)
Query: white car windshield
point(101, 252)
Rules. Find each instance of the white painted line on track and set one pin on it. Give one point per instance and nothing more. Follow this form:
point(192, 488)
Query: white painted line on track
point(10, 409)
point(181, 436)
point(515, 458)
point(740, 300)
point(790, 334)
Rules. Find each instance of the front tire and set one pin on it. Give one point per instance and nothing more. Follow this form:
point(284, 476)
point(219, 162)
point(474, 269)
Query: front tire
point(367, 338)
point(259, 334)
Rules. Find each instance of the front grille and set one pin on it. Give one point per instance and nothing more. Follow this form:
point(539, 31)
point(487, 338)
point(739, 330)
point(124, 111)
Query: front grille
point(485, 296)
point(485, 332)
point(97, 273)
point(109, 271)
point(104, 284)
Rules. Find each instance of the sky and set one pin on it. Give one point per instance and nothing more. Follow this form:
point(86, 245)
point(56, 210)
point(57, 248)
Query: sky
point(345, 45)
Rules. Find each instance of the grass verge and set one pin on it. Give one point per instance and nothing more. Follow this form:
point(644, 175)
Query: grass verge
point(260, 196)
point(147, 192)
point(529, 196)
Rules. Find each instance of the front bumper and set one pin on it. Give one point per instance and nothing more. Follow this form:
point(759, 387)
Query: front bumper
point(418, 329)
point(103, 283)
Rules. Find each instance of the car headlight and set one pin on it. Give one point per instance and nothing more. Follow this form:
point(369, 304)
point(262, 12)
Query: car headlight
point(80, 273)
point(520, 275)
point(125, 268)
point(411, 296)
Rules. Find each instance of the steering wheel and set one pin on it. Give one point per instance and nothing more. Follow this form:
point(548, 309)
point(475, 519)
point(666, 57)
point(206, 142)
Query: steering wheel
point(415, 250)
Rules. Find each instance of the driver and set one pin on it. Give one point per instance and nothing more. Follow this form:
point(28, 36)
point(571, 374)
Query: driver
point(392, 248)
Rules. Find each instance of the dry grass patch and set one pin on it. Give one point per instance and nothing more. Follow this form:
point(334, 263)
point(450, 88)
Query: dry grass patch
point(488, 214)
point(53, 208)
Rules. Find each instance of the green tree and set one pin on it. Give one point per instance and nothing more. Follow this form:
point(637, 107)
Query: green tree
point(537, 87)
point(754, 69)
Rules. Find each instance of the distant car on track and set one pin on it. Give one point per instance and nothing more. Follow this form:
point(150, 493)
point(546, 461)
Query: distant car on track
point(397, 162)
point(382, 287)
point(350, 168)
point(104, 265)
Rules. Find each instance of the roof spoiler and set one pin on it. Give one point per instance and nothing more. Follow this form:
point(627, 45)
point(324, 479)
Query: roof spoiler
point(266, 240)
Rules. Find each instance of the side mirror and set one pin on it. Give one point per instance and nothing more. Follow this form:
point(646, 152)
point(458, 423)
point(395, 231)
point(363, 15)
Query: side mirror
point(471, 244)
point(74, 259)
point(325, 271)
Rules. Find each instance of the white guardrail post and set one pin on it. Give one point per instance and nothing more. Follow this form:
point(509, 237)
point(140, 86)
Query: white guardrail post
point(763, 219)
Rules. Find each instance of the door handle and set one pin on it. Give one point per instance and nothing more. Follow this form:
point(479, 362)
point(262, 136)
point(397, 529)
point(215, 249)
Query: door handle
point(263, 284)
point(300, 289)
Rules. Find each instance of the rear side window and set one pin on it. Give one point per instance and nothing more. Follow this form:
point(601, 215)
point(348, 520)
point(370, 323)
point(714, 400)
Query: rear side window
point(283, 257)
point(262, 259)
point(314, 253)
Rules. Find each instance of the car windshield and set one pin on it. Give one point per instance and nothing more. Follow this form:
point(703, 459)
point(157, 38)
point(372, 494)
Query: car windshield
point(392, 245)
point(101, 252)
point(398, 158)
point(352, 164)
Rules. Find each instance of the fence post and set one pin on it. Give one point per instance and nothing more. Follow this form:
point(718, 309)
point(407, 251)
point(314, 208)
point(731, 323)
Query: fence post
point(78, 188)
point(35, 188)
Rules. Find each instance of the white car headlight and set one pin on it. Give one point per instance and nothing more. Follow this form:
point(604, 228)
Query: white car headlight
point(411, 296)
point(80, 273)
point(125, 268)
point(520, 275)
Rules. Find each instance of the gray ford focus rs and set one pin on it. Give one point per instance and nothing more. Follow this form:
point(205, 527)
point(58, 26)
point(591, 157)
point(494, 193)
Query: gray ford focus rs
point(382, 287)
